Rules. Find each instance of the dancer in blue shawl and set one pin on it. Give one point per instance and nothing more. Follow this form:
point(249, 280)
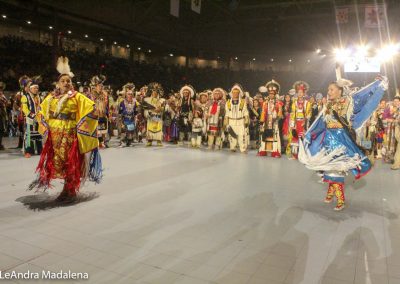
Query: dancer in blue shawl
point(329, 145)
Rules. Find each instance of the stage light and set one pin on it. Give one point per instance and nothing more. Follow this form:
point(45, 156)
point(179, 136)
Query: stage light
point(69, 32)
point(115, 42)
point(149, 50)
point(127, 45)
point(318, 50)
point(28, 22)
point(341, 54)
point(362, 51)
point(86, 36)
point(4, 16)
point(50, 27)
point(139, 48)
point(101, 39)
point(388, 52)
point(171, 55)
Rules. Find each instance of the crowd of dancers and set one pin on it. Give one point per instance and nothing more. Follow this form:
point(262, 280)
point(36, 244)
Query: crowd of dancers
point(213, 119)
point(271, 123)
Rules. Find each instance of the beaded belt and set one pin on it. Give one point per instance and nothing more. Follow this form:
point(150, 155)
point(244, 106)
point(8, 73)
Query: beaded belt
point(63, 116)
point(334, 125)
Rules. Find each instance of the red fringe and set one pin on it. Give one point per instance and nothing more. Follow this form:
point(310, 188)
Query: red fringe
point(73, 169)
point(45, 168)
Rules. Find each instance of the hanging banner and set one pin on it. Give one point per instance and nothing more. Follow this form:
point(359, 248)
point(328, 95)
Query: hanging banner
point(174, 8)
point(375, 16)
point(342, 15)
point(196, 6)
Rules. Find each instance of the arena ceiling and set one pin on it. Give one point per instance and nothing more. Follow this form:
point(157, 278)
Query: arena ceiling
point(223, 28)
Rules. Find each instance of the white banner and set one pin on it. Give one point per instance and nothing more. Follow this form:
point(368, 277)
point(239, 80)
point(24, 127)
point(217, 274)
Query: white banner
point(174, 8)
point(342, 15)
point(196, 6)
point(375, 16)
point(362, 65)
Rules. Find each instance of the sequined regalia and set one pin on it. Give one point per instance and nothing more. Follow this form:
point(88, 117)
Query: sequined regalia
point(270, 115)
point(128, 111)
point(30, 108)
point(329, 145)
point(3, 114)
point(101, 111)
point(214, 119)
point(69, 128)
point(154, 108)
point(300, 116)
point(236, 120)
point(185, 115)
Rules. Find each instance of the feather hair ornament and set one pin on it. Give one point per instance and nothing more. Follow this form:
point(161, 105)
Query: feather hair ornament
point(63, 66)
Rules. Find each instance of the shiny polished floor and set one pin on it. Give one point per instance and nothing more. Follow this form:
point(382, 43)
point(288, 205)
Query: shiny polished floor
point(177, 215)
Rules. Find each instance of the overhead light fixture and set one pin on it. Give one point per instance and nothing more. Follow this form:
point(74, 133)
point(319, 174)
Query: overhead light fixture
point(272, 60)
point(341, 54)
point(86, 36)
point(318, 50)
point(50, 27)
point(171, 55)
point(236, 58)
point(290, 60)
point(69, 32)
point(308, 60)
point(101, 39)
point(4, 16)
point(115, 42)
point(138, 48)
point(127, 45)
point(254, 59)
point(149, 50)
point(28, 22)
point(362, 51)
point(387, 52)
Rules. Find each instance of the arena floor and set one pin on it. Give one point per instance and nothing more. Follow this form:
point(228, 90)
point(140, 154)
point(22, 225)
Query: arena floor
point(177, 215)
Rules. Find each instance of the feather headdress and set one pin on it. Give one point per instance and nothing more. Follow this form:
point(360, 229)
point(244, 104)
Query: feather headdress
point(63, 66)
